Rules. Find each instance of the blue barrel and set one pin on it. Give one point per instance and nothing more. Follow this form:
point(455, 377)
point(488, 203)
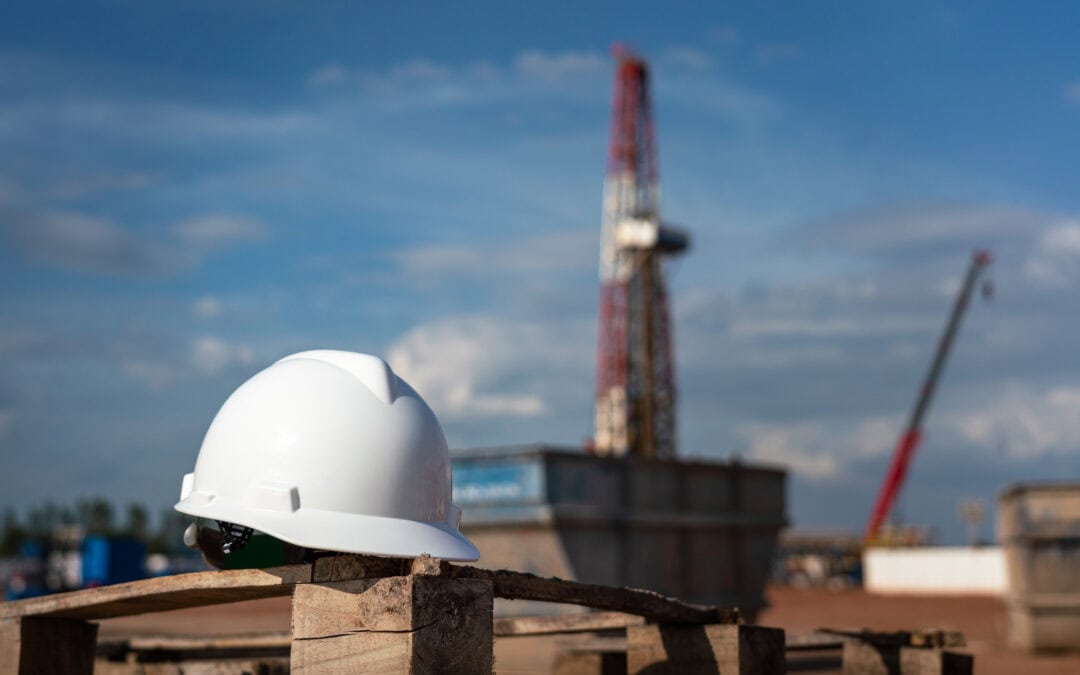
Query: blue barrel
point(112, 560)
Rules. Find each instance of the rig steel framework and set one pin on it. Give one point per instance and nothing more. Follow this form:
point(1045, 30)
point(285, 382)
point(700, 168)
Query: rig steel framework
point(635, 373)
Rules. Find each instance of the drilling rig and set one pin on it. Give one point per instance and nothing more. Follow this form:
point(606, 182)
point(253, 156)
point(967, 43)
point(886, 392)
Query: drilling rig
point(635, 372)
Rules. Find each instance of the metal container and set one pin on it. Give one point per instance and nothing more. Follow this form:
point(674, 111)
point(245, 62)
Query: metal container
point(1039, 528)
point(112, 560)
point(703, 531)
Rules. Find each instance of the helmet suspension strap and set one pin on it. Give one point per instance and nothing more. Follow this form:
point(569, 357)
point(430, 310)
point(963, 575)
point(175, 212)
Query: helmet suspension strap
point(233, 537)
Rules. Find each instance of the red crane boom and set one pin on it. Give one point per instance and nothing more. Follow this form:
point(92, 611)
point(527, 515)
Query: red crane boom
point(909, 440)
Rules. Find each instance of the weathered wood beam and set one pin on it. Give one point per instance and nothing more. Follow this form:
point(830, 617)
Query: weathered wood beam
point(565, 623)
point(705, 650)
point(210, 588)
point(935, 661)
point(31, 645)
point(648, 604)
point(162, 594)
point(593, 662)
point(151, 648)
point(412, 624)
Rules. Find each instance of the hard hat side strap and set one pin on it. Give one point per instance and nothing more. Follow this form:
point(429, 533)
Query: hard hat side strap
point(233, 537)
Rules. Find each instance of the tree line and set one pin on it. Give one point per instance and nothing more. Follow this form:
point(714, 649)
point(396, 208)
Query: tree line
point(97, 517)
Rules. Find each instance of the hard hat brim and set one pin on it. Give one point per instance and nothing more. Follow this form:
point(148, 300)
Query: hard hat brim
point(344, 532)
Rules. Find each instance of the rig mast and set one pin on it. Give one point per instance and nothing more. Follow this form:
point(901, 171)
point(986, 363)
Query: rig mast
point(635, 373)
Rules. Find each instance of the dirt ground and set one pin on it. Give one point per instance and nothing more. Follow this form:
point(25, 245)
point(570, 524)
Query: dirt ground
point(981, 619)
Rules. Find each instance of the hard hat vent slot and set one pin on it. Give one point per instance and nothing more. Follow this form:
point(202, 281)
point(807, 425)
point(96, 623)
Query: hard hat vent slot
point(233, 537)
point(274, 496)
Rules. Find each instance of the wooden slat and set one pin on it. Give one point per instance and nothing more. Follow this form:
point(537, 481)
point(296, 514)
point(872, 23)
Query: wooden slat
point(162, 594)
point(183, 642)
point(47, 645)
point(565, 623)
point(933, 661)
point(648, 604)
point(701, 650)
point(813, 642)
point(412, 624)
point(210, 588)
point(165, 648)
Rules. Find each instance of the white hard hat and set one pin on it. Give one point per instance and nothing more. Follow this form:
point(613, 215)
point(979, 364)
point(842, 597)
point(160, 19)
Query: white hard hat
point(330, 450)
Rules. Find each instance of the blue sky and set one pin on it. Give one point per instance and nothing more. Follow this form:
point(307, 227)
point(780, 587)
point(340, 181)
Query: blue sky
point(190, 191)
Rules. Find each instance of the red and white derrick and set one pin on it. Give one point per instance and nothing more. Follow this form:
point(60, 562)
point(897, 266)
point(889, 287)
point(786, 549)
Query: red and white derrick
point(635, 375)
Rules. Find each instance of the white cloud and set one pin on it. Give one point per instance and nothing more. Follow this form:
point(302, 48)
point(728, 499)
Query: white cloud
point(214, 231)
point(1026, 423)
point(211, 355)
point(14, 339)
point(154, 374)
point(688, 57)
point(1056, 258)
point(873, 436)
point(725, 35)
point(85, 243)
point(819, 450)
point(328, 75)
point(96, 183)
point(560, 66)
point(897, 229)
point(685, 79)
point(407, 75)
point(207, 307)
point(458, 366)
point(1070, 93)
point(827, 327)
point(1063, 238)
point(419, 83)
point(714, 93)
point(7, 421)
point(772, 52)
point(544, 254)
point(799, 446)
point(531, 64)
point(149, 121)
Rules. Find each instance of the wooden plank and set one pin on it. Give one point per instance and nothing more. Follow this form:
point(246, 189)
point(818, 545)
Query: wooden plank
point(813, 642)
point(161, 594)
point(32, 645)
point(709, 649)
point(226, 667)
point(921, 661)
point(648, 604)
point(183, 642)
point(590, 663)
point(413, 624)
point(565, 623)
point(866, 658)
point(454, 625)
point(360, 605)
point(523, 586)
point(153, 649)
point(346, 566)
point(209, 588)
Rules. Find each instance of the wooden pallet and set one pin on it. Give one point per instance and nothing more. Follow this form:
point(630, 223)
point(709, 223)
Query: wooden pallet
point(363, 614)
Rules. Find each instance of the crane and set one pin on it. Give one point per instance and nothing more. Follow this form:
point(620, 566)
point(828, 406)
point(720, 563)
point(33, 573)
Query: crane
point(909, 439)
